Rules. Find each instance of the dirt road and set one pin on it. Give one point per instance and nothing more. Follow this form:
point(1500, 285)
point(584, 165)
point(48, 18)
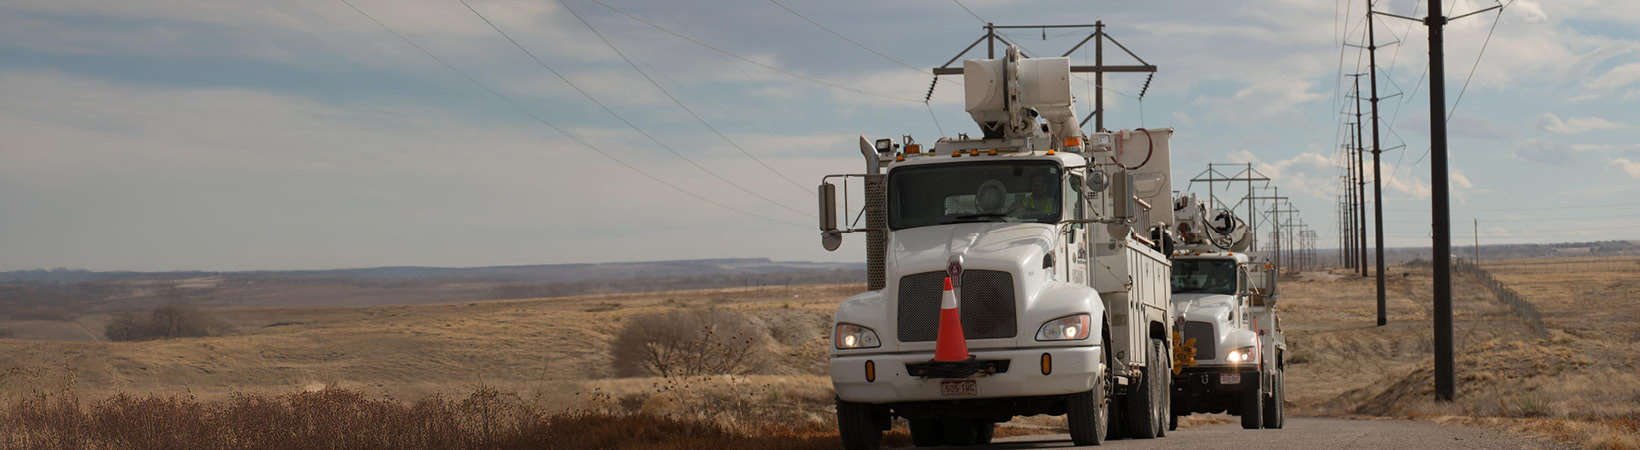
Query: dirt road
point(1309, 433)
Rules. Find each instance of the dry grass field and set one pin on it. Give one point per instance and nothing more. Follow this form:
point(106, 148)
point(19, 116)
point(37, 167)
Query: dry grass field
point(507, 373)
point(1579, 386)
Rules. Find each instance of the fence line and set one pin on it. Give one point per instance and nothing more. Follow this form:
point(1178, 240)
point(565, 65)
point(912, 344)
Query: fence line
point(1508, 296)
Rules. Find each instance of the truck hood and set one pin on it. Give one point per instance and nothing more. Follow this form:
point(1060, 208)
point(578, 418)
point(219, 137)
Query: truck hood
point(1198, 307)
point(989, 245)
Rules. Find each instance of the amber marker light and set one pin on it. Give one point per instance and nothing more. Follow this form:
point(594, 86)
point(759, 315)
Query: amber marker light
point(974, 152)
point(913, 148)
point(1047, 363)
point(871, 371)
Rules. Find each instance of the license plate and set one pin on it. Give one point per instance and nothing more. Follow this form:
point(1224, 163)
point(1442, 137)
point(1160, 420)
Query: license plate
point(963, 386)
point(1229, 378)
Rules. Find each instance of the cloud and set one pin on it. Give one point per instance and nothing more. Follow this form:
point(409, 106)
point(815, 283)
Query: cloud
point(1404, 183)
point(1464, 125)
point(1308, 174)
point(1627, 166)
point(1618, 77)
point(1548, 122)
point(1262, 100)
point(1544, 151)
point(196, 171)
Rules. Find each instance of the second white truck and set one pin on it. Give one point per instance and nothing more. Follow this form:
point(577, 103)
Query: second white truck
point(1232, 352)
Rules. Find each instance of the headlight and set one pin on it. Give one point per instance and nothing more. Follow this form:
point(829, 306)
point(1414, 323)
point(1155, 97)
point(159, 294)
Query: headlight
point(848, 336)
point(1068, 328)
point(1243, 354)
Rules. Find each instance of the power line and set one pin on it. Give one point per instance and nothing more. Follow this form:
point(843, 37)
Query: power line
point(549, 124)
point(623, 119)
point(1478, 56)
point(846, 38)
point(675, 99)
point(1613, 205)
point(970, 11)
point(749, 60)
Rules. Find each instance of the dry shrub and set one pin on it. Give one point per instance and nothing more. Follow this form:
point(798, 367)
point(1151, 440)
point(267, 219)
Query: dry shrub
point(334, 418)
point(6, 333)
point(686, 343)
point(1532, 404)
point(165, 322)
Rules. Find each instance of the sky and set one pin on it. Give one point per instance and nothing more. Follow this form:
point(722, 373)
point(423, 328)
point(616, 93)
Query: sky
point(302, 134)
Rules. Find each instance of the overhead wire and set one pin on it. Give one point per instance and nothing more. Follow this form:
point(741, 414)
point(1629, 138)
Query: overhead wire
point(1454, 108)
point(970, 11)
point(555, 127)
point(852, 41)
point(776, 99)
point(680, 103)
point(926, 100)
point(1495, 20)
point(624, 120)
point(751, 61)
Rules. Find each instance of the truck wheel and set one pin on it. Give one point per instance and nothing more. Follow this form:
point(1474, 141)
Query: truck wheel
point(925, 432)
point(987, 430)
point(958, 432)
point(1086, 413)
point(1252, 406)
point(1164, 386)
point(1274, 409)
point(857, 426)
point(1143, 409)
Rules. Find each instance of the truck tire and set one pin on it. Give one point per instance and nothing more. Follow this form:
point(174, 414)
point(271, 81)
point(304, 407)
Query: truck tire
point(1274, 409)
point(958, 432)
point(925, 432)
point(857, 426)
point(1164, 385)
point(1143, 407)
point(1085, 412)
point(987, 430)
point(1252, 407)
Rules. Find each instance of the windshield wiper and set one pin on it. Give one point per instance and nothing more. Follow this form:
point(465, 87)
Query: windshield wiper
point(968, 217)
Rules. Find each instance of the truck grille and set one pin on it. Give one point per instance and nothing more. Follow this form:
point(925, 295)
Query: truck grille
point(987, 305)
point(1206, 341)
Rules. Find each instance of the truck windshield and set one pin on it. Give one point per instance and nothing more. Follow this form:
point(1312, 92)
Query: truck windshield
point(1207, 276)
point(989, 191)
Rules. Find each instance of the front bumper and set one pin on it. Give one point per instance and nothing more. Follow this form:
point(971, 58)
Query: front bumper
point(1208, 380)
point(1073, 370)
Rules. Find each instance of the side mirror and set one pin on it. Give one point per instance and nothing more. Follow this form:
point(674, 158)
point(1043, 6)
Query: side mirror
point(830, 238)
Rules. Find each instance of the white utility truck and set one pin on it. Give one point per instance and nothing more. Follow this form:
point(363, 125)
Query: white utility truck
point(1232, 349)
point(1057, 259)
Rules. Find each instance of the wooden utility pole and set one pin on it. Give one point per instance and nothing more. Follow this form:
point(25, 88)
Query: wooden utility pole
point(1377, 172)
point(1440, 204)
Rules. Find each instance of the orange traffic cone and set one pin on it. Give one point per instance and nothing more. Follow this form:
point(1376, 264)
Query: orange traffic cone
point(950, 346)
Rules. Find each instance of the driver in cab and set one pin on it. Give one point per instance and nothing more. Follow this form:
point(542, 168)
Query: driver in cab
point(1037, 202)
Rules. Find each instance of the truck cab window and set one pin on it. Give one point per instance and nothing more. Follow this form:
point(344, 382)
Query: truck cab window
point(1204, 276)
point(987, 191)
